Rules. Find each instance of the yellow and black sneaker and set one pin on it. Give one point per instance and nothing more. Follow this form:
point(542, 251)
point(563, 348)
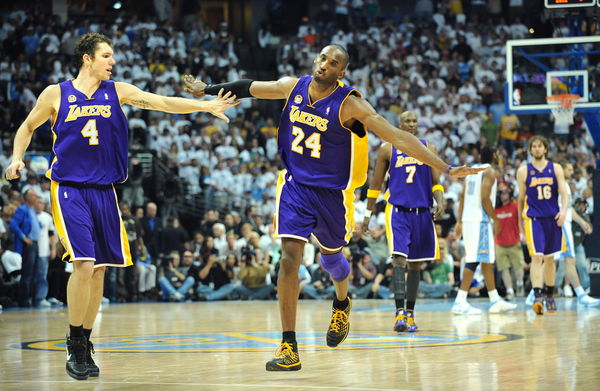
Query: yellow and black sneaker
point(538, 306)
point(400, 322)
point(339, 326)
point(286, 358)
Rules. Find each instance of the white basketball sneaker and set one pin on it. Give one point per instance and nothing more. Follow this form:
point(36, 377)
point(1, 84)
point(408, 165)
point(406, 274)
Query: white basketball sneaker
point(530, 298)
point(501, 306)
point(588, 301)
point(464, 308)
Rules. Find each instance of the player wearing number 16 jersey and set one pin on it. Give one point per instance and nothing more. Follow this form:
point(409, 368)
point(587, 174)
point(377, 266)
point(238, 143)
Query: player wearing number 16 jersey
point(89, 155)
point(540, 183)
point(322, 141)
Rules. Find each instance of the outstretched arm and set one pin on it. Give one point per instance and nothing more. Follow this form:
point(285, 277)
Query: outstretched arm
point(244, 88)
point(43, 109)
point(131, 95)
point(359, 109)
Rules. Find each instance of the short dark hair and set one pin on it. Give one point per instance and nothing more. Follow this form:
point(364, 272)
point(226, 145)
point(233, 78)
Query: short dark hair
point(344, 52)
point(487, 154)
point(87, 44)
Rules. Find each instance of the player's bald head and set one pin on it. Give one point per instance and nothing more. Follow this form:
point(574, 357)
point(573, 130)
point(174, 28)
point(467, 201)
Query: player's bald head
point(407, 114)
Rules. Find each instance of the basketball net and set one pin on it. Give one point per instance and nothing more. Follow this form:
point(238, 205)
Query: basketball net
point(563, 107)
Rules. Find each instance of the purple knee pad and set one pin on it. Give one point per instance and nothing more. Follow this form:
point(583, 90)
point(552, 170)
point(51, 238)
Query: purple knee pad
point(337, 266)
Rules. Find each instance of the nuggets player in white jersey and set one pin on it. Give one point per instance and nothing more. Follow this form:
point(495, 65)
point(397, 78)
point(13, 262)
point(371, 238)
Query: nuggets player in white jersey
point(321, 140)
point(89, 156)
point(477, 221)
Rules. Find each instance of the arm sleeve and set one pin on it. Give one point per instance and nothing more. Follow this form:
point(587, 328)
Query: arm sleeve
point(240, 88)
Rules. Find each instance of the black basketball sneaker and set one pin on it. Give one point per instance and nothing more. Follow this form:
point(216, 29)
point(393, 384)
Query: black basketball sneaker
point(286, 358)
point(76, 358)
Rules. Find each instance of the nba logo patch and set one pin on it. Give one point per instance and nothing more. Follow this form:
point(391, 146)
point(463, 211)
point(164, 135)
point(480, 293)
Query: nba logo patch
point(71, 98)
point(328, 110)
point(298, 99)
point(66, 195)
point(105, 96)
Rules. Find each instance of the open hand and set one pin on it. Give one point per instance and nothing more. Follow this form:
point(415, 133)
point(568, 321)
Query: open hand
point(222, 103)
point(194, 86)
point(463, 171)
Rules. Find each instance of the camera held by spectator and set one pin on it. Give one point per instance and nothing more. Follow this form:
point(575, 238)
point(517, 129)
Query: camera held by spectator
point(248, 255)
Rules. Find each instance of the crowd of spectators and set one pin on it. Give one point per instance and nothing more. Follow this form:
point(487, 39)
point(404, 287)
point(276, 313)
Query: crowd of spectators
point(447, 67)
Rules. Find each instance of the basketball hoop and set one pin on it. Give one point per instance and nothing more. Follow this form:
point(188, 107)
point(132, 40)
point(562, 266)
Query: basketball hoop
point(563, 107)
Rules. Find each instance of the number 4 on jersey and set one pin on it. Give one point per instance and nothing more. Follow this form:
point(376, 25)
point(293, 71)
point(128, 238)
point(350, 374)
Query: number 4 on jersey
point(89, 130)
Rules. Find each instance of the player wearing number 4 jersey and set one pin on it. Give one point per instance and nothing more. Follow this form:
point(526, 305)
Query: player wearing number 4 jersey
point(540, 183)
point(322, 140)
point(89, 155)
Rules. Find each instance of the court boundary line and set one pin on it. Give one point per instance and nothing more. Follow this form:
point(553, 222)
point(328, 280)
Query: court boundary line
point(238, 385)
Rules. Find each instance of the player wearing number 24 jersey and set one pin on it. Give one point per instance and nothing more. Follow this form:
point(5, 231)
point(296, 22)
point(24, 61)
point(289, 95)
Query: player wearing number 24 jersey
point(89, 155)
point(322, 142)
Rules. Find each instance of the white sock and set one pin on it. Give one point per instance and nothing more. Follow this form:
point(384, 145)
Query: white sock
point(494, 296)
point(579, 291)
point(461, 296)
point(511, 291)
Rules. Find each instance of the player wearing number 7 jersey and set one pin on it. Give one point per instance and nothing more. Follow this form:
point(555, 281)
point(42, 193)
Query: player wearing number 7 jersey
point(322, 140)
point(89, 155)
point(540, 183)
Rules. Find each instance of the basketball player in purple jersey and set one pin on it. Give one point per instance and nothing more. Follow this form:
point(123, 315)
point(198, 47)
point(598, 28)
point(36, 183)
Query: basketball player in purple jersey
point(540, 183)
point(409, 222)
point(322, 142)
point(89, 155)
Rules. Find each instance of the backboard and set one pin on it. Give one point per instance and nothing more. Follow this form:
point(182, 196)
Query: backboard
point(537, 68)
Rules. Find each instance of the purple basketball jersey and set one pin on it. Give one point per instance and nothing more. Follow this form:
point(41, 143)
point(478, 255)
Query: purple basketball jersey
point(90, 137)
point(541, 192)
point(315, 147)
point(410, 181)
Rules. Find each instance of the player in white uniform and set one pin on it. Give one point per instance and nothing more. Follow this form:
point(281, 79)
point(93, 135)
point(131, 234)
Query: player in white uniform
point(568, 257)
point(477, 222)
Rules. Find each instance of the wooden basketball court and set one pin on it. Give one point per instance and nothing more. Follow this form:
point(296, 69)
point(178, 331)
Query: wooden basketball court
point(224, 346)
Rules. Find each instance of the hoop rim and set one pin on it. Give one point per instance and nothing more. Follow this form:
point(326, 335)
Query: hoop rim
point(565, 101)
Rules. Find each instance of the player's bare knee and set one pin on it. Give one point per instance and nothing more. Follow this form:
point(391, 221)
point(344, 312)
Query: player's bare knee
point(84, 269)
point(398, 260)
point(289, 264)
point(99, 273)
